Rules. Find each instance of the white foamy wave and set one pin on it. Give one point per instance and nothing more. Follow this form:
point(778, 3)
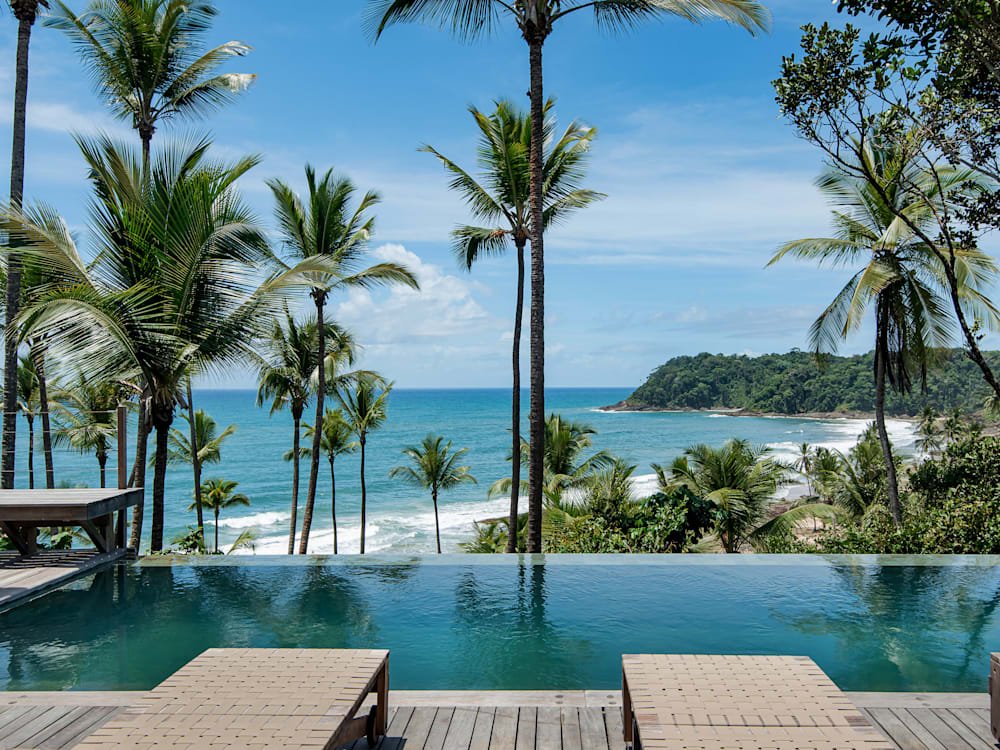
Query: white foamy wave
point(271, 518)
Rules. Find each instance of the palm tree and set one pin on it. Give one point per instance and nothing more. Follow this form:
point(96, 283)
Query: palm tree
point(25, 12)
point(900, 276)
point(804, 463)
point(27, 404)
point(203, 433)
point(327, 230)
point(88, 416)
point(365, 405)
point(217, 495)
point(740, 480)
point(335, 441)
point(929, 441)
point(500, 197)
point(175, 284)
point(471, 19)
point(147, 59)
point(954, 426)
point(435, 468)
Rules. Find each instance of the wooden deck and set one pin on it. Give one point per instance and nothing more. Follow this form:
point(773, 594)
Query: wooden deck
point(501, 721)
point(23, 577)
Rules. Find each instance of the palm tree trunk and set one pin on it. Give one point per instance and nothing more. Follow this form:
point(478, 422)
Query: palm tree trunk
point(892, 486)
point(25, 17)
point(333, 503)
point(196, 466)
point(536, 416)
point(515, 461)
point(437, 526)
point(297, 417)
point(43, 405)
point(138, 478)
point(320, 297)
point(102, 461)
point(217, 530)
point(364, 494)
point(162, 418)
point(31, 453)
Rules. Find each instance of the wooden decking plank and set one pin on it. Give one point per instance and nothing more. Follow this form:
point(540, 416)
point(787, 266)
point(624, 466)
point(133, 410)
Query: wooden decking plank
point(548, 728)
point(978, 720)
point(419, 727)
point(593, 734)
point(963, 730)
point(483, 729)
point(941, 733)
point(397, 726)
point(459, 736)
point(19, 733)
point(527, 716)
point(504, 732)
point(10, 721)
point(570, 717)
point(893, 727)
point(439, 728)
point(72, 734)
point(613, 722)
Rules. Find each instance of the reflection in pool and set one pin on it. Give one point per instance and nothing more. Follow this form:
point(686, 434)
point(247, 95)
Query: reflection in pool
point(452, 623)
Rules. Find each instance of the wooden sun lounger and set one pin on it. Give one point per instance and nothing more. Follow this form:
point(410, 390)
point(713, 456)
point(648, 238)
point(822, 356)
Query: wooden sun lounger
point(257, 699)
point(687, 702)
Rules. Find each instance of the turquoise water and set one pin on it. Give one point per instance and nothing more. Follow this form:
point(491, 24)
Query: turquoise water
point(486, 623)
point(400, 516)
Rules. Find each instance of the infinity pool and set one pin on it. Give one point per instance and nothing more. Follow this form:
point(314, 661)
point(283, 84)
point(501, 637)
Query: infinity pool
point(464, 622)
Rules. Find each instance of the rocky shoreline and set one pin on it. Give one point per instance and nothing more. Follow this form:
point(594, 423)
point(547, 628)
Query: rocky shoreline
point(623, 406)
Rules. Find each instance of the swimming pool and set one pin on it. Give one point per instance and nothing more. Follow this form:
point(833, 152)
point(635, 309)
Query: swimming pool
point(488, 622)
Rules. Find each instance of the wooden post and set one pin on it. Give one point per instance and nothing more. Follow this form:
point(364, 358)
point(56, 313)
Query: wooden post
point(122, 471)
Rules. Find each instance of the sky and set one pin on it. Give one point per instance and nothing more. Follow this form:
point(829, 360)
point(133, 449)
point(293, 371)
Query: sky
point(703, 179)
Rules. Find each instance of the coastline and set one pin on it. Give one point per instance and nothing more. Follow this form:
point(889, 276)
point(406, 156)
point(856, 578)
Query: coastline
point(625, 406)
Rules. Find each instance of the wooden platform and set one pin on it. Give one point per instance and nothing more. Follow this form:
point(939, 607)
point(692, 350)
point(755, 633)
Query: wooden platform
point(26, 576)
point(495, 721)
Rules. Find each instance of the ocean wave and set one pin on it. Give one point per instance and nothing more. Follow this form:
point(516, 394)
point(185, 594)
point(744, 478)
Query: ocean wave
point(267, 518)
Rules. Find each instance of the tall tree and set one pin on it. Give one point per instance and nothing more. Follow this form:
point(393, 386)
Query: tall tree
point(365, 408)
point(219, 495)
point(435, 468)
point(335, 441)
point(25, 12)
point(148, 61)
point(175, 284)
point(899, 275)
point(500, 196)
point(327, 230)
point(535, 20)
point(88, 417)
point(28, 404)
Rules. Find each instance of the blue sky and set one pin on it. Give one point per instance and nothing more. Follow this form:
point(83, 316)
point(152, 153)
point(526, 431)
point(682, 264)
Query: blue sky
point(704, 181)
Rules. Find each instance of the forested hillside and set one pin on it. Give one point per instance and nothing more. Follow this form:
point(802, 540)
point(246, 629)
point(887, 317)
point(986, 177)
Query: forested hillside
point(793, 383)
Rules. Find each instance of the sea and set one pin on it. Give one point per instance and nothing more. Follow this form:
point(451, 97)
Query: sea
point(400, 516)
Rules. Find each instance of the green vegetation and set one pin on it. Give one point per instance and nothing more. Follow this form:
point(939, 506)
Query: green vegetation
point(334, 441)
point(218, 495)
point(794, 383)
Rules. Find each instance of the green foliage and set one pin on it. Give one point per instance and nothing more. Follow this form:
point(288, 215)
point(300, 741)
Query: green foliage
point(794, 383)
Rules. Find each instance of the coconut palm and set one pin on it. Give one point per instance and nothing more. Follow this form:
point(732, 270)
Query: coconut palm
point(471, 19)
point(25, 11)
point(435, 468)
point(218, 495)
point(500, 198)
point(335, 441)
point(28, 405)
point(88, 417)
point(955, 427)
point(804, 462)
point(898, 275)
point(929, 440)
point(175, 286)
point(148, 61)
point(740, 480)
point(365, 406)
point(326, 229)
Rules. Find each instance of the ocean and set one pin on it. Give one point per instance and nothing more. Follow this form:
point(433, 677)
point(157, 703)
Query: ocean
point(400, 516)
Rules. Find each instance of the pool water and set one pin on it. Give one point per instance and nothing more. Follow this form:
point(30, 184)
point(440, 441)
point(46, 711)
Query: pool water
point(492, 623)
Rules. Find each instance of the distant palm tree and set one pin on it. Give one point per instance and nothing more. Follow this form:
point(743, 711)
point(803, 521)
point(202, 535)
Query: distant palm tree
point(327, 243)
point(365, 406)
point(435, 468)
point(88, 417)
point(500, 197)
point(335, 441)
point(929, 440)
point(218, 495)
point(803, 463)
point(148, 61)
point(25, 11)
point(28, 404)
point(899, 276)
point(471, 19)
point(955, 427)
point(175, 287)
